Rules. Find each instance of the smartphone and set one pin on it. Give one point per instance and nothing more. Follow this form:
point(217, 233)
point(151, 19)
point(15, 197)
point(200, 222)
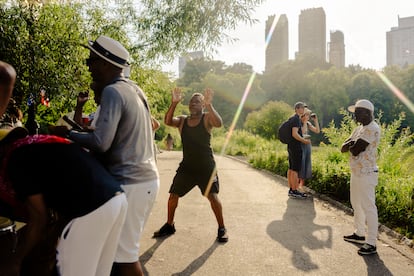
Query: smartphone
point(72, 123)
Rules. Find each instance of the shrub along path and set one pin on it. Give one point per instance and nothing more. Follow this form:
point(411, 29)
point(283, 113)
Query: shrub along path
point(269, 233)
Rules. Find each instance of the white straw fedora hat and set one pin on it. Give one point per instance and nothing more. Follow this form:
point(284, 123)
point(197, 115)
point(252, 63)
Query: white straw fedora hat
point(110, 50)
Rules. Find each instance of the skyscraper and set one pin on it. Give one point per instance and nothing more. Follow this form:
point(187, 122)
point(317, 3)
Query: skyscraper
point(312, 33)
point(337, 49)
point(182, 61)
point(277, 50)
point(400, 43)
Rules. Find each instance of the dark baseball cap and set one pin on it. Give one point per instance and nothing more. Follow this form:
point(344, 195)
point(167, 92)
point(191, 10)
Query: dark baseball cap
point(300, 104)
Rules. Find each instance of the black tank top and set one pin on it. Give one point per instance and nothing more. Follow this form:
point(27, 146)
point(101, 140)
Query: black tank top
point(197, 152)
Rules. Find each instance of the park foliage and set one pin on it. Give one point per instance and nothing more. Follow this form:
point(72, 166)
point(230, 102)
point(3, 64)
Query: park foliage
point(44, 43)
point(331, 173)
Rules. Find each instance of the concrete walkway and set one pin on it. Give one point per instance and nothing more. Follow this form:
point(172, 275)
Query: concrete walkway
point(269, 233)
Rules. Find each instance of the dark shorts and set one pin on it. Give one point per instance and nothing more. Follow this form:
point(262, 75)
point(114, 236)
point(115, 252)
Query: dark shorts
point(295, 156)
point(185, 180)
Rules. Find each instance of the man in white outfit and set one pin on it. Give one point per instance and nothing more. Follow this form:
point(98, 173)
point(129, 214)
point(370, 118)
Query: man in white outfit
point(363, 144)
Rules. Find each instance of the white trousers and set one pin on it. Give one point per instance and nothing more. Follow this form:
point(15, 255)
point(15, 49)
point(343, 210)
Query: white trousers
point(363, 203)
point(141, 198)
point(88, 244)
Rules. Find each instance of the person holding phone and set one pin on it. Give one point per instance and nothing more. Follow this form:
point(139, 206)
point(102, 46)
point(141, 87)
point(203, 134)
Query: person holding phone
point(307, 127)
point(81, 100)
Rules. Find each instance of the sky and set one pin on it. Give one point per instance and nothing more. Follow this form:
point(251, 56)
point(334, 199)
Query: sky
point(364, 24)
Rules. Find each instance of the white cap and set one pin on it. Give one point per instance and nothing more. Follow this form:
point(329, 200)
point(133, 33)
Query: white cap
point(362, 104)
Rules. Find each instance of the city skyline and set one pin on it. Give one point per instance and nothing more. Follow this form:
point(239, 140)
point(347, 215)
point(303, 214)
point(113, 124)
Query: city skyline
point(363, 23)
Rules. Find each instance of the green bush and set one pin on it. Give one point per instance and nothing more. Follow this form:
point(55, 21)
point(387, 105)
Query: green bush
point(265, 122)
point(331, 174)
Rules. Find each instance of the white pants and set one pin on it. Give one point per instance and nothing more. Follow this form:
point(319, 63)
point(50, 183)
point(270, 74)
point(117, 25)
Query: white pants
point(88, 244)
point(363, 203)
point(141, 198)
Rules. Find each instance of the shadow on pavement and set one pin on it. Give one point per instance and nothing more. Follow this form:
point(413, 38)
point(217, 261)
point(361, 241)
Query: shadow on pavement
point(147, 255)
point(375, 266)
point(197, 263)
point(297, 231)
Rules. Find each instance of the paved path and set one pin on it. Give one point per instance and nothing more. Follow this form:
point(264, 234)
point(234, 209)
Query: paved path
point(269, 233)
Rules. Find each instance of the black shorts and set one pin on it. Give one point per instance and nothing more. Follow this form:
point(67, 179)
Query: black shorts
point(185, 179)
point(295, 156)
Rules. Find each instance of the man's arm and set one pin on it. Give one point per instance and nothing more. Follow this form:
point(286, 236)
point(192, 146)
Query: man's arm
point(212, 117)
point(7, 80)
point(347, 144)
point(169, 118)
point(101, 138)
point(295, 135)
point(83, 97)
point(359, 146)
point(314, 128)
point(31, 233)
point(155, 124)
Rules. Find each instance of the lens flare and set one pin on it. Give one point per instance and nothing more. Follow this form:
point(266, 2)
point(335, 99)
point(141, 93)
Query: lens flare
point(397, 92)
point(239, 109)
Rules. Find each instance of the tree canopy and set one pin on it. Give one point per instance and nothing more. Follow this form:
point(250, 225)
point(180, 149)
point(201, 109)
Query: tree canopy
point(43, 41)
point(324, 88)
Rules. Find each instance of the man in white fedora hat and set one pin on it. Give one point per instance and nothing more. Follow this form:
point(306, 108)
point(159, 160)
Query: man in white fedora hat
point(123, 140)
point(363, 144)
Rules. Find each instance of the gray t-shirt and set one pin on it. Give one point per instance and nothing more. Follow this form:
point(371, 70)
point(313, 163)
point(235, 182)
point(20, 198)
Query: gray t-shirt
point(123, 138)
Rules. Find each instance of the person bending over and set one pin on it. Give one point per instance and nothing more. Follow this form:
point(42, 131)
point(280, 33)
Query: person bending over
point(75, 186)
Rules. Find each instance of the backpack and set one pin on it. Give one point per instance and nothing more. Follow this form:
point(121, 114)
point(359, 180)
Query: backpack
point(285, 132)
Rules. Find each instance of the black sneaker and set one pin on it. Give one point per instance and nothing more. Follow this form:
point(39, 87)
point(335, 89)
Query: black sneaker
point(222, 235)
point(354, 238)
point(165, 230)
point(367, 249)
point(300, 194)
point(297, 194)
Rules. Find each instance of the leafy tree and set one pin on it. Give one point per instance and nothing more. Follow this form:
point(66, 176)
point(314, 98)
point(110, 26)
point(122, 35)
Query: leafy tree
point(266, 121)
point(195, 70)
point(229, 91)
point(157, 87)
point(286, 81)
point(240, 68)
point(168, 27)
point(327, 93)
point(403, 80)
point(42, 40)
point(42, 43)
